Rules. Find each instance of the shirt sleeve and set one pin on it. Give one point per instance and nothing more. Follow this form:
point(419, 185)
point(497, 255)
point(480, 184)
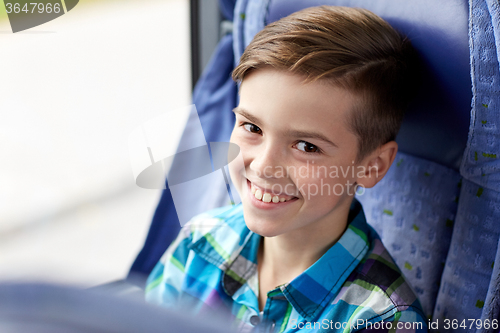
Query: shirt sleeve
point(164, 284)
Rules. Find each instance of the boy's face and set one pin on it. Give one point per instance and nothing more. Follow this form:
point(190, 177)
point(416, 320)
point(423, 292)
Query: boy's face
point(296, 147)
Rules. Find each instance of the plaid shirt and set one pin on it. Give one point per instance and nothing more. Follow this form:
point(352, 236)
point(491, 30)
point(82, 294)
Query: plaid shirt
point(354, 287)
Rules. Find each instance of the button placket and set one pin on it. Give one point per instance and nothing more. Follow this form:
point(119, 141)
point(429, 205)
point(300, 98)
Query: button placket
point(265, 315)
point(274, 311)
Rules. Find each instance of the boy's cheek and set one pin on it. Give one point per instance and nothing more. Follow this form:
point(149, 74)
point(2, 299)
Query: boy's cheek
point(324, 188)
point(237, 172)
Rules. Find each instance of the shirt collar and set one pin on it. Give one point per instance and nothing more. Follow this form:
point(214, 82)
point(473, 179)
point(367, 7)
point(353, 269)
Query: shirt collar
point(310, 292)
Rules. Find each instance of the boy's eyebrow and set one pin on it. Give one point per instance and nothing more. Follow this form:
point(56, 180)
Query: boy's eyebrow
point(289, 132)
point(246, 114)
point(311, 135)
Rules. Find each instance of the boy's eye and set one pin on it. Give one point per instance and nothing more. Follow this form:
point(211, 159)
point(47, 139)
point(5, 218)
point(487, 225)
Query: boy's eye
point(252, 128)
point(307, 147)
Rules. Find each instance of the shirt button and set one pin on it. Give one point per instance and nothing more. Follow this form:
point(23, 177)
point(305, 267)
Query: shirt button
point(254, 320)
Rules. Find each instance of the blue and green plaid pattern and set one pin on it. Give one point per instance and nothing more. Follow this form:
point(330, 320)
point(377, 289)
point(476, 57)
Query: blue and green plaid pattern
point(354, 287)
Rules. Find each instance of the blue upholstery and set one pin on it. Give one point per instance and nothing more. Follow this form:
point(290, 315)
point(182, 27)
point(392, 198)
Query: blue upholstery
point(471, 262)
point(413, 209)
point(436, 212)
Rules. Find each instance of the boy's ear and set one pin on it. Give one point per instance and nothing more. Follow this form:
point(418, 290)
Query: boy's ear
point(374, 167)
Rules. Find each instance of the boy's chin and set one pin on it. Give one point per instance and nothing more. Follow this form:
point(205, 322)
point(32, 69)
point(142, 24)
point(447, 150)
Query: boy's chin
point(264, 231)
point(262, 227)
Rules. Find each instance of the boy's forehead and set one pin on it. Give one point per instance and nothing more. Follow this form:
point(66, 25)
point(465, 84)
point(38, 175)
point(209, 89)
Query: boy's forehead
point(278, 95)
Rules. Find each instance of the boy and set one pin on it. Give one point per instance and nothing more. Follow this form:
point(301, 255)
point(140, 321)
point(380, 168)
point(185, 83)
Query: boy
point(321, 100)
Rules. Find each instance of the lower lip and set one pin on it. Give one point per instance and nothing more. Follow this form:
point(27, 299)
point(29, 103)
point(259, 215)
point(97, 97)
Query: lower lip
point(267, 205)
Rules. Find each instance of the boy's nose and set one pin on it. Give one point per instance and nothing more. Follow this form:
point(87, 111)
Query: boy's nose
point(266, 163)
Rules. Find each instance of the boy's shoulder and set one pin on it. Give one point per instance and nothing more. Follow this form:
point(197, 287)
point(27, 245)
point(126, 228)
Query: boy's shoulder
point(216, 235)
point(377, 288)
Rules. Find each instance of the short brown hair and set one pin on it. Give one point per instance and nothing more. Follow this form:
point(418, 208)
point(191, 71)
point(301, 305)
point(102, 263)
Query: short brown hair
point(356, 50)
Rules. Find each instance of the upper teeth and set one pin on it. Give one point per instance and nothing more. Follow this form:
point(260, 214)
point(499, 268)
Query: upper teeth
point(266, 197)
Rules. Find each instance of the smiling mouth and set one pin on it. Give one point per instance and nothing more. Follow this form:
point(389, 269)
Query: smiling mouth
point(267, 196)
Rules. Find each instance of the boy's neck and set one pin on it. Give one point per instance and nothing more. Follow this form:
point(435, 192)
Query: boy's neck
point(284, 257)
point(290, 255)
